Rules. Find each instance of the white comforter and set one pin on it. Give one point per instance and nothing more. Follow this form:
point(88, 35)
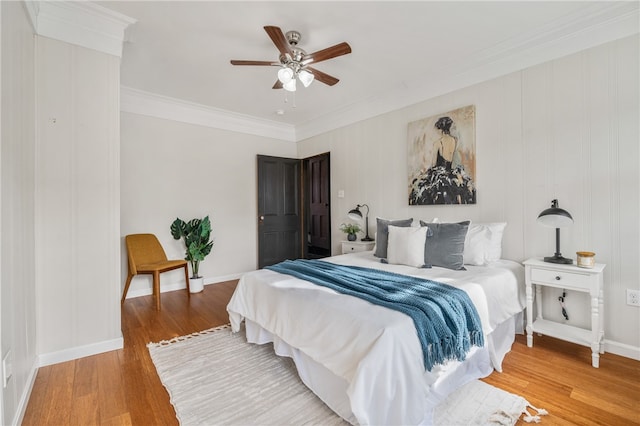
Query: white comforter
point(374, 349)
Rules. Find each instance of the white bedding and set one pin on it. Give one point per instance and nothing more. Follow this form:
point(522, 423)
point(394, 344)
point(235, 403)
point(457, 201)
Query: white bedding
point(373, 350)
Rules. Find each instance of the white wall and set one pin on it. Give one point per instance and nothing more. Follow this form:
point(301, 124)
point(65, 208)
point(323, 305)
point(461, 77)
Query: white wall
point(17, 279)
point(565, 129)
point(77, 201)
point(171, 169)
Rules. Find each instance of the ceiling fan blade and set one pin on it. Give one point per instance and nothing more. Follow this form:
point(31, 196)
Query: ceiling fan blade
point(328, 53)
point(322, 77)
point(240, 62)
point(277, 85)
point(278, 38)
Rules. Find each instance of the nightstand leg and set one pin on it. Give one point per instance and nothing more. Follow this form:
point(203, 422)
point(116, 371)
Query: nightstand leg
point(539, 303)
point(601, 324)
point(529, 294)
point(595, 332)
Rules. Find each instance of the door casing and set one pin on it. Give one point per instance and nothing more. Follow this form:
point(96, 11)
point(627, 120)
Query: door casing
point(288, 207)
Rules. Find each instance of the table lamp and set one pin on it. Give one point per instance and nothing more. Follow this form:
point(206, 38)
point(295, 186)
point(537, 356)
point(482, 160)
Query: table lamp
point(555, 217)
point(356, 214)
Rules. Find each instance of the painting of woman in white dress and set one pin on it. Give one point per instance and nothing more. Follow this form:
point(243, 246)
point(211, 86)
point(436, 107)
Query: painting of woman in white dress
point(442, 158)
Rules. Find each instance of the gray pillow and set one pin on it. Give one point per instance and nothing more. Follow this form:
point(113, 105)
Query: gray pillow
point(445, 247)
point(382, 234)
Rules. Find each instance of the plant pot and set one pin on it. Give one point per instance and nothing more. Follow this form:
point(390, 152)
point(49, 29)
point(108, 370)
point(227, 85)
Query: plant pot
point(352, 237)
point(196, 285)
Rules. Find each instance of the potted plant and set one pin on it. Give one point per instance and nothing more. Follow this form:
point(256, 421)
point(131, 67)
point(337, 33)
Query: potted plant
point(351, 229)
point(196, 235)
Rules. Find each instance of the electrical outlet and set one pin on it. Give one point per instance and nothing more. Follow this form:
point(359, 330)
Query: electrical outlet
point(633, 297)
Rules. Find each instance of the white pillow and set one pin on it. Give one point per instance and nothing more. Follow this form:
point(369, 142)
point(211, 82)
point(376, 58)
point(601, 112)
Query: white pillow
point(483, 243)
point(475, 245)
point(495, 246)
point(406, 245)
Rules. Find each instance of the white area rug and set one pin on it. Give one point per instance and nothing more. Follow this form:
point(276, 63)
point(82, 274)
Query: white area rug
point(215, 377)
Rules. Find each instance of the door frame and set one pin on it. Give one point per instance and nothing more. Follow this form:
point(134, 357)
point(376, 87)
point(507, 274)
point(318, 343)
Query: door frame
point(303, 189)
point(306, 198)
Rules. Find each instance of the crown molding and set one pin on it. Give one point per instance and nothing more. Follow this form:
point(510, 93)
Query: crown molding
point(597, 24)
point(32, 11)
point(81, 23)
point(158, 106)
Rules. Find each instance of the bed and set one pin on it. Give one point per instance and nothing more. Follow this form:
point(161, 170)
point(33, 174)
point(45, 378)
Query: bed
point(365, 361)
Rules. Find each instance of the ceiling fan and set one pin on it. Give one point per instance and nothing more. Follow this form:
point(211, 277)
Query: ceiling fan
point(294, 62)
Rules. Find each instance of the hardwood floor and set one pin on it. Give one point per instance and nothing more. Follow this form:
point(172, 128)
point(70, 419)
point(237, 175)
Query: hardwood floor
point(121, 387)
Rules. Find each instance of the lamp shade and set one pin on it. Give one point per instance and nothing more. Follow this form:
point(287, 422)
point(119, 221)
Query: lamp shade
point(355, 214)
point(305, 77)
point(290, 86)
point(285, 75)
point(555, 217)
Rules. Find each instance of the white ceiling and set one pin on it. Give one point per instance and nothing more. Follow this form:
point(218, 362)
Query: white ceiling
point(403, 52)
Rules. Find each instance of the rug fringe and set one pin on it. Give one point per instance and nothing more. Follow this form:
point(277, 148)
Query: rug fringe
point(535, 418)
point(188, 336)
point(502, 417)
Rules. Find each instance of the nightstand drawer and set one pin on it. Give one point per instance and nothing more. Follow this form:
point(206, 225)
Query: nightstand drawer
point(560, 279)
point(356, 246)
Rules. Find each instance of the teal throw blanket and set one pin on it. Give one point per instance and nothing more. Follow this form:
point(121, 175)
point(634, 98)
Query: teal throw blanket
point(446, 321)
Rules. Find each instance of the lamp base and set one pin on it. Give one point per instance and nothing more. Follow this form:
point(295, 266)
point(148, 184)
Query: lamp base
point(367, 239)
point(558, 259)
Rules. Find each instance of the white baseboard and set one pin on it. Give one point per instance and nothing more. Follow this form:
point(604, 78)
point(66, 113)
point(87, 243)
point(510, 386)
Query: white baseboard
point(26, 394)
point(622, 349)
point(115, 344)
point(80, 352)
point(146, 291)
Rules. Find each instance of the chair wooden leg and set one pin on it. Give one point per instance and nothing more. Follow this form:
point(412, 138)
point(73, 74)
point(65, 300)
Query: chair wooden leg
point(156, 288)
point(126, 288)
point(186, 277)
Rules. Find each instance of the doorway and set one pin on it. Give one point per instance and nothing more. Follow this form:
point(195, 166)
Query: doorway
point(318, 206)
point(294, 207)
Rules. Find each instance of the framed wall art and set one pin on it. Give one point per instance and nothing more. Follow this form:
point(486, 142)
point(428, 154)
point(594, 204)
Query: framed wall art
point(442, 158)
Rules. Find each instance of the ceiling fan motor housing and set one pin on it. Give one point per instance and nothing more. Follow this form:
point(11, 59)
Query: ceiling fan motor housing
point(297, 55)
point(293, 37)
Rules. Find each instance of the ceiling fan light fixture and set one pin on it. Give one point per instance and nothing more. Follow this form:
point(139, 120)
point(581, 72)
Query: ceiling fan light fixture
point(290, 86)
point(305, 77)
point(285, 75)
point(293, 60)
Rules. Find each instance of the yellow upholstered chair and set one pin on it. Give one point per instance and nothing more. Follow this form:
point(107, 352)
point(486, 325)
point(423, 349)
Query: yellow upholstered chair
point(146, 256)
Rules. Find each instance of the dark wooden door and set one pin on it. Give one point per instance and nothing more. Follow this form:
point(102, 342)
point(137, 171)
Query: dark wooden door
point(318, 205)
point(279, 210)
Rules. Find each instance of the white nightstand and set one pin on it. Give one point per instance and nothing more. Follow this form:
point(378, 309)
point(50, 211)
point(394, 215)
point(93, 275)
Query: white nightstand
point(569, 277)
point(357, 246)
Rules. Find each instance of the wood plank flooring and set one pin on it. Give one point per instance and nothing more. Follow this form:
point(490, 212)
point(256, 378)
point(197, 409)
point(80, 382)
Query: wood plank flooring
point(122, 387)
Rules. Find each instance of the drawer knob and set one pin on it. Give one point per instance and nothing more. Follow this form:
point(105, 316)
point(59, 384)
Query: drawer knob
point(558, 278)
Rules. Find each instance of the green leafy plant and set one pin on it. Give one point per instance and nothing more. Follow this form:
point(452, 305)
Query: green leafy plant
point(350, 228)
point(196, 235)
